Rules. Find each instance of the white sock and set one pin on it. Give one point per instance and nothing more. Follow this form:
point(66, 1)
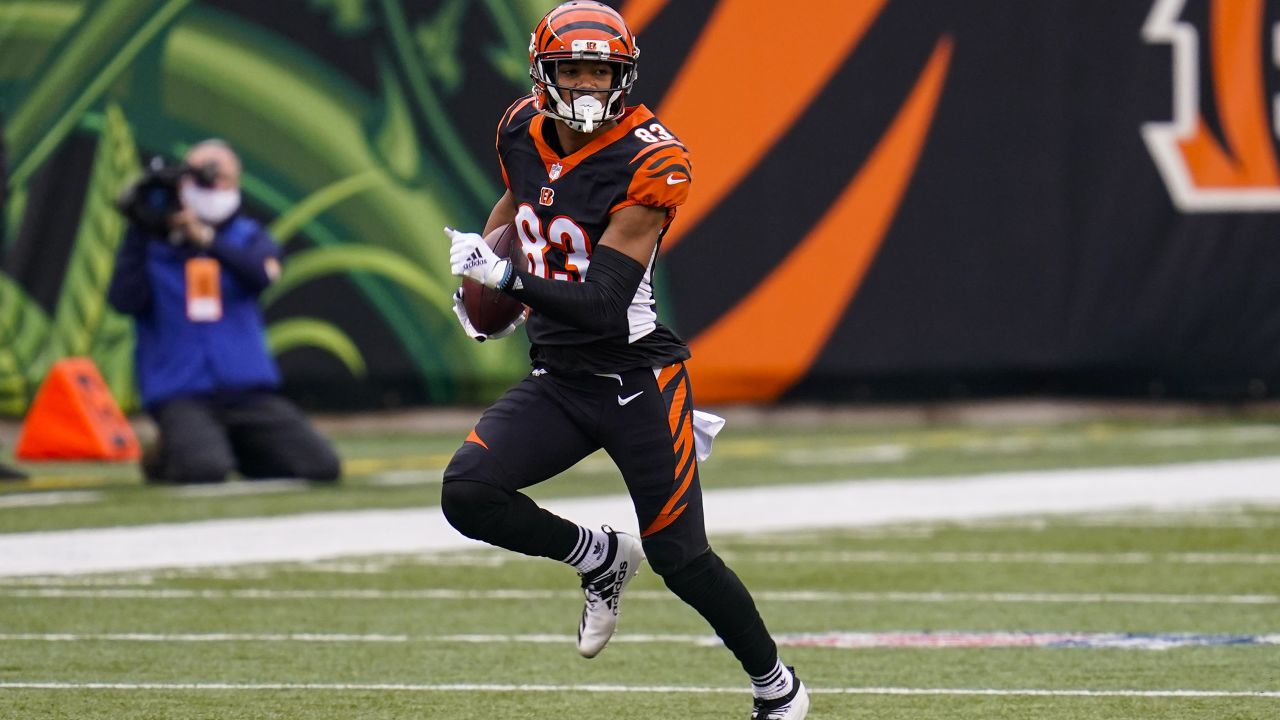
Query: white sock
point(774, 684)
point(590, 552)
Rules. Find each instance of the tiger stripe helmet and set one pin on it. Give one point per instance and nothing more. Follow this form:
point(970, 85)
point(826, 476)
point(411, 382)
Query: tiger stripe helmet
point(581, 30)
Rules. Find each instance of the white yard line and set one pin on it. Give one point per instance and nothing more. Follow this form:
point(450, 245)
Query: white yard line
point(788, 596)
point(778, 508)
point(931, 640)
point(644, 689)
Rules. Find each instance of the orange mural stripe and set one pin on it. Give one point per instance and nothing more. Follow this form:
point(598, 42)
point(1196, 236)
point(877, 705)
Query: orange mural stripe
point(720, 75)
point(763, 346)
point(1237, 29)
point(639, 13)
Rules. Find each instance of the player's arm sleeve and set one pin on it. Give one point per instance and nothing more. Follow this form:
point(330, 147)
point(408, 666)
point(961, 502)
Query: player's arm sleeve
point(597, 304)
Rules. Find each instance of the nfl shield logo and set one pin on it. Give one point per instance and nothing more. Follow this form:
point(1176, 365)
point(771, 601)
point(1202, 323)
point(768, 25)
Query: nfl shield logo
point(555, 171)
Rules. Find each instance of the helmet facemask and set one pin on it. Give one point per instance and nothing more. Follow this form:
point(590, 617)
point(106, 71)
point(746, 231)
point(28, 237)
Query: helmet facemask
point(579, 107)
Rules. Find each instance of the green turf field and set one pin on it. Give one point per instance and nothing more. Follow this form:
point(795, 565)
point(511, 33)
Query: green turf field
point(906, 621)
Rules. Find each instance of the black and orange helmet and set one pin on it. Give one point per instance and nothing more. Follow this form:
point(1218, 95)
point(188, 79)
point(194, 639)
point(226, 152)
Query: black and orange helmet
point(581, 30)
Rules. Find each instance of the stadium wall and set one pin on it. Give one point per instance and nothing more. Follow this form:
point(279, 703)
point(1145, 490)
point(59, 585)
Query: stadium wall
point(893, 199)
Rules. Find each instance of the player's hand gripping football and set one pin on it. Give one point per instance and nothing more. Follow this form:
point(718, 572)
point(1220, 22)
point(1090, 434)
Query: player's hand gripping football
point(470, 256)
point(461, 311)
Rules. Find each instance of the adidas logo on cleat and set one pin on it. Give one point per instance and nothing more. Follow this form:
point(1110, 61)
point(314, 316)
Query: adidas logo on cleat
point(603, 593)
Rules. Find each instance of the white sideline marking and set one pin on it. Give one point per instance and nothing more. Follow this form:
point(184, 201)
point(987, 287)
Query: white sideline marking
point(316, 536)
point(42, 499)
point(1027, 558)
point(646, 689)
point(889, 453)
point(801, 596)
point(233, 489)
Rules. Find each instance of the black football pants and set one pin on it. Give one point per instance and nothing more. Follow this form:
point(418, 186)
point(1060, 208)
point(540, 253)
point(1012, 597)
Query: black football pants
point(643, 420)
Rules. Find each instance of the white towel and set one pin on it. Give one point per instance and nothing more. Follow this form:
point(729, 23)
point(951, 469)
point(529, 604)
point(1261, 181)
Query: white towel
point(705, 428)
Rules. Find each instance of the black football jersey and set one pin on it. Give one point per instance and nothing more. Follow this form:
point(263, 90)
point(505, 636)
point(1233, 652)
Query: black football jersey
point(564, 204)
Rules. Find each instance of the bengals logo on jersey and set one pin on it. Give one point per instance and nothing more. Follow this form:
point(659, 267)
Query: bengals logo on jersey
point(1219, 151)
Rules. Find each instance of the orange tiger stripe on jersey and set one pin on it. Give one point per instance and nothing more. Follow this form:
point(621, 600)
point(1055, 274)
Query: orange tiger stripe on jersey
point(662, 180)
point(512, 111)
point(474, 438)
point(675, 380)
point(650, 148)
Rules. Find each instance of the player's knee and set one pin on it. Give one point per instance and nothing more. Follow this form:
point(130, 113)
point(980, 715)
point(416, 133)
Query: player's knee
point(473, 508)
point(669, 559)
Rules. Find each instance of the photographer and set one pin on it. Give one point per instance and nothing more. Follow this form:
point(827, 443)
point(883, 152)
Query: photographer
point(189, 271)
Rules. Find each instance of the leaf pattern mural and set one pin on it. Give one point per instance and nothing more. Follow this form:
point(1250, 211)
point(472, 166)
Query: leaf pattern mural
point(354, 179)
point(366, 126)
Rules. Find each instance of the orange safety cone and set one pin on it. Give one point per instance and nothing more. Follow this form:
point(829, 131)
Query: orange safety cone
point(74, 417)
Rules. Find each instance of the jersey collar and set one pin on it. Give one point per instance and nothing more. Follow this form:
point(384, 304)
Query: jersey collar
point(630, 120)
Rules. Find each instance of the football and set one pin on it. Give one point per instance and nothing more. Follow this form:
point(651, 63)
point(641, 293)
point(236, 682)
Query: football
point(488, 310)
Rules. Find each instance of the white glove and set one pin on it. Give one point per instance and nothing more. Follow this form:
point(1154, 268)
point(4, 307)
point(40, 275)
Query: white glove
point(461, 311)
point(470, 256)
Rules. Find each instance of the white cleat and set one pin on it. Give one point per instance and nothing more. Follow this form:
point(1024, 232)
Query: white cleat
point(603, 589)
point(794, 706)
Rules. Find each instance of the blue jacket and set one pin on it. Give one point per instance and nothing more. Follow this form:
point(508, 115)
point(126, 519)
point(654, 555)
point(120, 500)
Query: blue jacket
point(175, 356)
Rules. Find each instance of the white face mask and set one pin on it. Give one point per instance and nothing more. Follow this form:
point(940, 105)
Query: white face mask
point(211, 205)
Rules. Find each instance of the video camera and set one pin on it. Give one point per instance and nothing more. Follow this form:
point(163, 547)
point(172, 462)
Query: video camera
point(151, 200)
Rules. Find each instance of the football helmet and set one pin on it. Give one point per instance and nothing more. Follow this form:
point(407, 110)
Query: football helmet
point(581, 30)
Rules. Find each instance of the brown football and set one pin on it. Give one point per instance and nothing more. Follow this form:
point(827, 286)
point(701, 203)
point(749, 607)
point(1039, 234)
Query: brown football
point(491, 311)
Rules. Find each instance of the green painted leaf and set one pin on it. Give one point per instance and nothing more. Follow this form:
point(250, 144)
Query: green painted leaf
point(23, 328)
point(310, 264)
point(396, 138)
point(83, 324)
point(350, 17)
point(30, 29)
point(437, 41)
point(514, 20)
point(321, 200)
point(308, 332)
point(97, 49)
point(432, 109)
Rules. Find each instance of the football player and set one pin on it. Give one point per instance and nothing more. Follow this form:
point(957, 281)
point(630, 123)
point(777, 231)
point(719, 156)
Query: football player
point(592, 186)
